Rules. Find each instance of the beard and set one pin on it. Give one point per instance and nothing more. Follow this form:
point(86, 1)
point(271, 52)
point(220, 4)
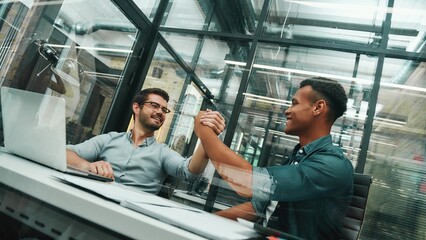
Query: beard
point(146, 122)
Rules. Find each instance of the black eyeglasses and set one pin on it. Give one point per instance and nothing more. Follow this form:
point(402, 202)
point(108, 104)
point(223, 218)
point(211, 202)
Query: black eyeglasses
point(157, 106)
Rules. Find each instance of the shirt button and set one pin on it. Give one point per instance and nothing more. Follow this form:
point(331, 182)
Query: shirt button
point(300, 151)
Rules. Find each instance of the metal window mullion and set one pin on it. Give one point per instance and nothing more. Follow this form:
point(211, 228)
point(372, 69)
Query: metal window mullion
point(136, 68)
point(368, 127)
point(233, 121)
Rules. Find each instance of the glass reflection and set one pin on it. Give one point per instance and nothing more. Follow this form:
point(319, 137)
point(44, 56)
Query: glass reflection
point(221, 16)
point(326, 21)
point(183, 126)
point(236, 16)
point(148, 7)
point(165, 73)
point(396, 156)
point(185, 45)
point(358, 24)
point(220, 67)
point(407, 30)
point(73, 51)
point(189, 14)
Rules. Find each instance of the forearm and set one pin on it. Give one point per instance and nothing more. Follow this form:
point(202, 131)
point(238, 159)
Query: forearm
point(230, 166)
point(244, 211)
point(219, 152)
point(74, 160)
point(99, 167)
point(57, 86)
point(198, 161)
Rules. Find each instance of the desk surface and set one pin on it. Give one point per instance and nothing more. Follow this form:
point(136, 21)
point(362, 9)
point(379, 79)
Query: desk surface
point(37, 181)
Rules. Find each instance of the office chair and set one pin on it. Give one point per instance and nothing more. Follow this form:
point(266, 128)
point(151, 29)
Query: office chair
point(168, 187)
point(356, 211)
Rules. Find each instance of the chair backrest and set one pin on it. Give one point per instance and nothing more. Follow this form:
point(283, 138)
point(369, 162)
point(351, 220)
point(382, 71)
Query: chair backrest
point(168, 187)
point(356, 210)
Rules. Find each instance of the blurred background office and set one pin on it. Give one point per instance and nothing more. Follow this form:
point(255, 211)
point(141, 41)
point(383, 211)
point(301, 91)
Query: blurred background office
point(245, 59)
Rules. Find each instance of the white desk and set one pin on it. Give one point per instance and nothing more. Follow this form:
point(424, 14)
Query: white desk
point(36, 181)
point(38, 197)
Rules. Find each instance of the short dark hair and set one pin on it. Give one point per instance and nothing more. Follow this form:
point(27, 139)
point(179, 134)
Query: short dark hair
point(329, 90)
point(142, 96)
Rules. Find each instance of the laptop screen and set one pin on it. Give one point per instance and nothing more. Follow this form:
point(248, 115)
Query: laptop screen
point(34, 126)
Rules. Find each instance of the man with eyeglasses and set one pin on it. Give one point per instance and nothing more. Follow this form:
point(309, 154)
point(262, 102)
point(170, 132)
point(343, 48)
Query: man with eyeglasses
point(135, 158)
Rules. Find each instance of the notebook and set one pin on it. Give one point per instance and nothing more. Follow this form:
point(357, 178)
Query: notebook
point(34, 128)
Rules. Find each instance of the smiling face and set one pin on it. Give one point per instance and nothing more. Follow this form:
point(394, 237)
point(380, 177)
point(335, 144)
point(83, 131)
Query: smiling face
point(150, 118)
point(300, 115)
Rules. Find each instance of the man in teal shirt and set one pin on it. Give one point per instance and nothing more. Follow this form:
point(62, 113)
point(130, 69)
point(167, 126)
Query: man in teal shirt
point(307, 196)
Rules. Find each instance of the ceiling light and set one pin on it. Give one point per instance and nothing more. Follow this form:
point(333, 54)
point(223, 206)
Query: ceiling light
point(231, 62)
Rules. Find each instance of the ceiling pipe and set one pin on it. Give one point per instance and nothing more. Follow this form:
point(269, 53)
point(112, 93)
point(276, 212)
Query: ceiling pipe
point(410, 66)
point(82, 29)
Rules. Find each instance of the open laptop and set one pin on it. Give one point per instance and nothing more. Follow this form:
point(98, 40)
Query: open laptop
point(34, 128)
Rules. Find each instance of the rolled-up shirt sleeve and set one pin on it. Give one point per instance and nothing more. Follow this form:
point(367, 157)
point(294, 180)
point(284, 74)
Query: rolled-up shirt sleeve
point(176, 165)
point(91, 149)
point(262, 184)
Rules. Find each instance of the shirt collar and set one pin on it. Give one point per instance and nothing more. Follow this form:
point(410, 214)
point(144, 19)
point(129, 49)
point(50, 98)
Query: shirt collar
point(318, 143)
point(146, 141)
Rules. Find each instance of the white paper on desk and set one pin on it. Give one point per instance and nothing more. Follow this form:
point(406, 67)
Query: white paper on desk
point(199, 222)
point(185, 217)
point(115, 191)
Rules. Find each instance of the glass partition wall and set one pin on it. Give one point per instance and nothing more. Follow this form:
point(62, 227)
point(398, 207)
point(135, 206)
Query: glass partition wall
point(253, 60)
point(245, 59)
point(68, 50)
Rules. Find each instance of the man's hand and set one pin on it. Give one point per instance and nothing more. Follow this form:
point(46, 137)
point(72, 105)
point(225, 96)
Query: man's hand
point(99, 167)
point(211, 123)
point(232, 168)
point(199, 127)
point(102, 168)
point(212, 119)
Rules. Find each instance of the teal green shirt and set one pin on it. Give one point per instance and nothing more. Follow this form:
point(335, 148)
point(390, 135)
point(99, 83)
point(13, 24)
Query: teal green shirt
point(313, 189)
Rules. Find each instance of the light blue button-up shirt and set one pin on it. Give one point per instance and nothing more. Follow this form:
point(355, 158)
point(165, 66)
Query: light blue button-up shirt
point(144, 167)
